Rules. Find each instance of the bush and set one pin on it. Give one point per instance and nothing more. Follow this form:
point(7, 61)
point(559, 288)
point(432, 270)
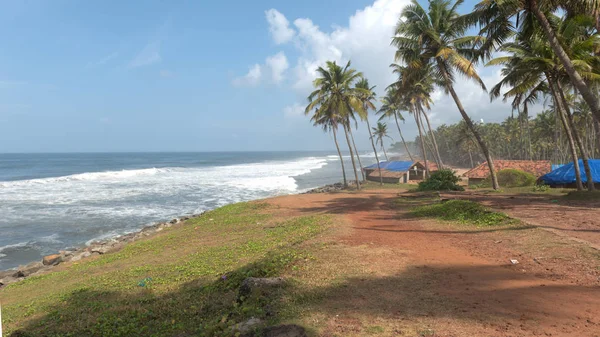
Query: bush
point(442, 180)
point(512, 178)
point(464, 211)
point(541, 188)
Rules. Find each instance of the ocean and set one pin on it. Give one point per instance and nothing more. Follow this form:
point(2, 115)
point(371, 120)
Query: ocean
point(49, 202)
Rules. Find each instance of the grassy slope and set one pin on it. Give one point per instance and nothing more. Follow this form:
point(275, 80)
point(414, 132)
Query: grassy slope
point(195, 269)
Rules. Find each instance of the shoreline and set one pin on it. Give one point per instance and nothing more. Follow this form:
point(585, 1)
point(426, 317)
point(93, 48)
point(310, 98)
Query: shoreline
point(111, 245)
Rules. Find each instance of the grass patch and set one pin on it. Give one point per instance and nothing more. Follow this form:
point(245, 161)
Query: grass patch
point(463, 211)
point(183, 281)
point(583, 196)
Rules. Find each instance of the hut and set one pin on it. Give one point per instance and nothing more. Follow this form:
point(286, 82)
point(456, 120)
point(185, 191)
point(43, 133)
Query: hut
point(479, 173)
point(564, 176)
point(394, 172)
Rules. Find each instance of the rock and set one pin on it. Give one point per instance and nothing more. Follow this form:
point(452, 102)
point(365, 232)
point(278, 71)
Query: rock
point(8, 280)
point(29, 269)
point(174, 221)
point(52, 260)
point(247, 326)
point(81, 255)
point(6, 273)
point(252, 283)
point(288, 330)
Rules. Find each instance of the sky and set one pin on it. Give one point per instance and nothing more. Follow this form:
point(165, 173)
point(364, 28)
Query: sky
point(103, 76)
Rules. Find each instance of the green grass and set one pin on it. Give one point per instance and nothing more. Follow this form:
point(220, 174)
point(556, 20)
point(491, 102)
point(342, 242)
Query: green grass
point(583, 196)
point(192, 274)
point(465, 212)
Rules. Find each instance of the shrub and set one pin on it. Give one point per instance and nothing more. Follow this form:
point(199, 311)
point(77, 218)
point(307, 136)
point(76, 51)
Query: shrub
point(463, 211)
point(442, 180)
point(541, 188)
point(513, 178)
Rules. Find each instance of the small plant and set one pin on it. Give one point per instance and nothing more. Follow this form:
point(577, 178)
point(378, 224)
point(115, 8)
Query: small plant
point(442, 180)
point(541, 188)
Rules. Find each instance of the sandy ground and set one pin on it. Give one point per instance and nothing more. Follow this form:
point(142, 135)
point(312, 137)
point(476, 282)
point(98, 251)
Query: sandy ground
point(454, 280)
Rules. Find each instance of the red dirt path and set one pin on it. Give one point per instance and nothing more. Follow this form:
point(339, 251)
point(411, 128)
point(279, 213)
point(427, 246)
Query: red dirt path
point(461, 281)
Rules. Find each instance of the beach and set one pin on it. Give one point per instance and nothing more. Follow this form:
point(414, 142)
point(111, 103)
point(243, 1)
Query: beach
point(54, 202)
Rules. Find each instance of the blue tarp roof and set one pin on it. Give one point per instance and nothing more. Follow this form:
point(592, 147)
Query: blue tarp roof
point(395, 166)
point(566, 173)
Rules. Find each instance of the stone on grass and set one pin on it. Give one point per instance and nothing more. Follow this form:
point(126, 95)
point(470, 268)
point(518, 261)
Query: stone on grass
point(252, 283)
point(29, 269)
point(247, 326)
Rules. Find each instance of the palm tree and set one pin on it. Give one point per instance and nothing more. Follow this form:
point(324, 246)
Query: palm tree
point(329, 121)
point(367, 96)
point(380, 132)
point(496, 19)
point(334, 92)
point(390, 107)
point(533, 68)
point(437, 38)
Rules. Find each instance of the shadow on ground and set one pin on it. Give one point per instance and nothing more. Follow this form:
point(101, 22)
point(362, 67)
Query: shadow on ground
point(471, 294)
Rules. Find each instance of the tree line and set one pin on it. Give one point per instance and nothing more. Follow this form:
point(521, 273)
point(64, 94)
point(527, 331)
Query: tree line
point(550, 51)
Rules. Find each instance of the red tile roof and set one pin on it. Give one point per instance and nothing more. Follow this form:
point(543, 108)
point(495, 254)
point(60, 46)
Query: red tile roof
point(536, 167)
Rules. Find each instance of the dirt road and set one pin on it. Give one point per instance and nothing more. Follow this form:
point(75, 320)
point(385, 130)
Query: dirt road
point(431, 279)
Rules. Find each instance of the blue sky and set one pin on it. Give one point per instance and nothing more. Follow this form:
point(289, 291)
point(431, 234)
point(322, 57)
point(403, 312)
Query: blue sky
point(187, 75)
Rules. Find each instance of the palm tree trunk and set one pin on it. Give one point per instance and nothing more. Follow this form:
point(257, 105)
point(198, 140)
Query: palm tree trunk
point(337, 146)
point(383, 148)
point(563, 119)
point(402, 137)
point(352, 157)
point(435, 146)
point(357, 155)
point(374, 150)
point(470, 125)
point(417, 120)
point(588, 96)
point(597, 129)
point(471, 158)
point(582, 149)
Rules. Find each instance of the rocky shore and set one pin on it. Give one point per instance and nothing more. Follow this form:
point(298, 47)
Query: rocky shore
point(108, 246)
point(95, 248)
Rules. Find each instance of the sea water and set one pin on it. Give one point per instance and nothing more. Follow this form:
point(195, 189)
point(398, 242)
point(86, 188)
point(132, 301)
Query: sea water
point(50, 202)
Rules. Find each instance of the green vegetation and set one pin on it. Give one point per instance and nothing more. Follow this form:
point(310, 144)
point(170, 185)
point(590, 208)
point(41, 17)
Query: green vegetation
point(182, 281)
point(583, 196)
point(513, 178)
point(442, 180)
point(463, 211)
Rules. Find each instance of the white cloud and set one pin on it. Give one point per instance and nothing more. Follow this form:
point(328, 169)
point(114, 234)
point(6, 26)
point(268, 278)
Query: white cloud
point(293, 111)
point(278, 64)
point(275, 67)
point(279, 26)
point(147, 56)
point(252, 78)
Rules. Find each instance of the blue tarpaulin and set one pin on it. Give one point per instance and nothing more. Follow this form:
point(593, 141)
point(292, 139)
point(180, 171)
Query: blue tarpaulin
point(566, 173)
point(394, 166)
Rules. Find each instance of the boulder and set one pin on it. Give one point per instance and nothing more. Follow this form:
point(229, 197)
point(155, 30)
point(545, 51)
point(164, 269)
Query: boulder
point(52, 260)
point(287, 330)
point(29, 269)
point(251, 284)
point(8, 280)
point(80, 255)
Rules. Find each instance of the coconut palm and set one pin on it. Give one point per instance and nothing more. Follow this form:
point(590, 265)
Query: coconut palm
point(367, 96)
point(391, 107)
point(334, 92)
point(533, 68)
point(416, 85)
point(495, 17)
point(380, 132)
point(437, 38)
point(329, 120)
